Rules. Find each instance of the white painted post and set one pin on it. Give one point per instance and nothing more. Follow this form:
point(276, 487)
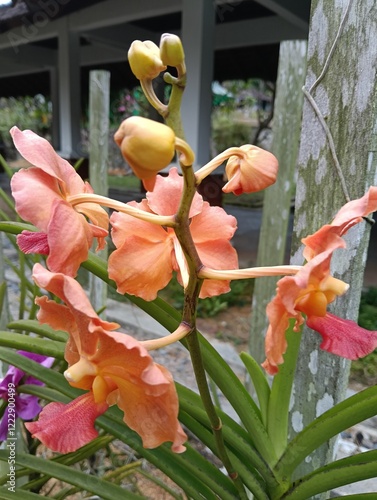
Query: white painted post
point(198, 29)
point(99, 105)
point(69, 91)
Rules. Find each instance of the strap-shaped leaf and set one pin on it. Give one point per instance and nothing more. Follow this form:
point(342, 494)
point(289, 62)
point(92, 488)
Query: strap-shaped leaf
point(345, 414)
point(50, 377)
point(260, 383)
point(32, 344)
point(252, 480)
point(72, 476)
point(339, 473)
point(173, 465)
point(6, 494)
point(31, 325)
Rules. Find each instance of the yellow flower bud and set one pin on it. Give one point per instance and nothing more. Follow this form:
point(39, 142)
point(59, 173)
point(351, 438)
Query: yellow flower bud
point(171, 50)
point(146, 145)
point(145, 60)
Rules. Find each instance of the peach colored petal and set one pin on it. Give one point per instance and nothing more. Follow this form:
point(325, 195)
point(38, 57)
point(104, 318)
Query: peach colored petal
point(349, 215)
point(67, 253)
point(142, 264)
point(66, 427)
point(153, 417)
point(87, 322)
point(276, 343)
point(39, 152)
point(211, 230)
point(166, 195)
point(212, 223)
point(31, 185)
point(217, 254)
point(120, 355)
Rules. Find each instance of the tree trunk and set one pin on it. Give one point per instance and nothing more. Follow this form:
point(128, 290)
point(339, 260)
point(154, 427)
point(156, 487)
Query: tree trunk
point(345, 95)
point(277, 198)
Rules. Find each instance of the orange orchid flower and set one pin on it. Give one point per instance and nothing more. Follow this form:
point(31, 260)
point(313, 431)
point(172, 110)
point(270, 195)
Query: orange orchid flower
point(113, 367)
point(41, 194)
point(147, 254)
point(313, 288)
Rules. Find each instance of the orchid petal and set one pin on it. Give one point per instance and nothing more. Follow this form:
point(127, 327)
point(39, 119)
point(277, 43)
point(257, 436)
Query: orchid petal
point(349, 215)
point(31, 185)
point(343, 337)
point(66, 427)
point(31, 242)
point(39, 152)
point(142, 264)
point(166, 195)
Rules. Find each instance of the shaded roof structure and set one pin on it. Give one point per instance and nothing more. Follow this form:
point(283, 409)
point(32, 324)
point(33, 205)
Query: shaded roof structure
point(50, 46)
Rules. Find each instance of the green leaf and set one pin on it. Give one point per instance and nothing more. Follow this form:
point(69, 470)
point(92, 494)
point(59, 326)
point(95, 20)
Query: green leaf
point(50, 377)
point(235, 436)
point(32, 344)
point(343, 415)
point(15, 227)
point(72, 476)
point(68, 459)
point(278, 407)
point(253, 481)
point(6, 494)
point(260, 383)
point(239, 398)
point(339, 473)
point(173, 465)
point(34, 326)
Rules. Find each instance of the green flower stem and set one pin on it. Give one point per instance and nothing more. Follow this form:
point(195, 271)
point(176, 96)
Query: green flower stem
point(278, 407)
point(173, 116)
point(192, 290)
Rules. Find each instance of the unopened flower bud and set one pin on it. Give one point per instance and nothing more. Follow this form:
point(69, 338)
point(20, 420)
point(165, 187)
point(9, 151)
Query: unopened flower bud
point(171, 50)
point(147, 146)
point(254, 171)
point(145, 60)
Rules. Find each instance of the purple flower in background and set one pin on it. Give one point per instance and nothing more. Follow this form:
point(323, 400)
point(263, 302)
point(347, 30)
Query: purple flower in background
point(26, 406)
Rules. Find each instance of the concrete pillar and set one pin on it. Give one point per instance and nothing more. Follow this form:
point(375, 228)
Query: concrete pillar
point(54, 94)
point(198, 30)
point(69, 91)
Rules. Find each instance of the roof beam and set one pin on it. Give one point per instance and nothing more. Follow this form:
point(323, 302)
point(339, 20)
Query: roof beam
point(261, 31)
point(293, 11)
point(113, 12)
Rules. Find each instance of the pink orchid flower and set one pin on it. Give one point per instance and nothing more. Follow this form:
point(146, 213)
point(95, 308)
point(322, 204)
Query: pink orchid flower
point(147, 254)
point(42, 196)
point(313, 288)
point(113, 367)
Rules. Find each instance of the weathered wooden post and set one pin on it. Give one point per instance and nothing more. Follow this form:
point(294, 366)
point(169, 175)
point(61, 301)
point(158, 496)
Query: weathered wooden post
point(99, 103)
point(337, 160)
point(277, 198)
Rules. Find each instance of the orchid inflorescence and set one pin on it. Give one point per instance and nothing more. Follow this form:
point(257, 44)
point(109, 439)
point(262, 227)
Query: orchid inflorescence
point(172, 230)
